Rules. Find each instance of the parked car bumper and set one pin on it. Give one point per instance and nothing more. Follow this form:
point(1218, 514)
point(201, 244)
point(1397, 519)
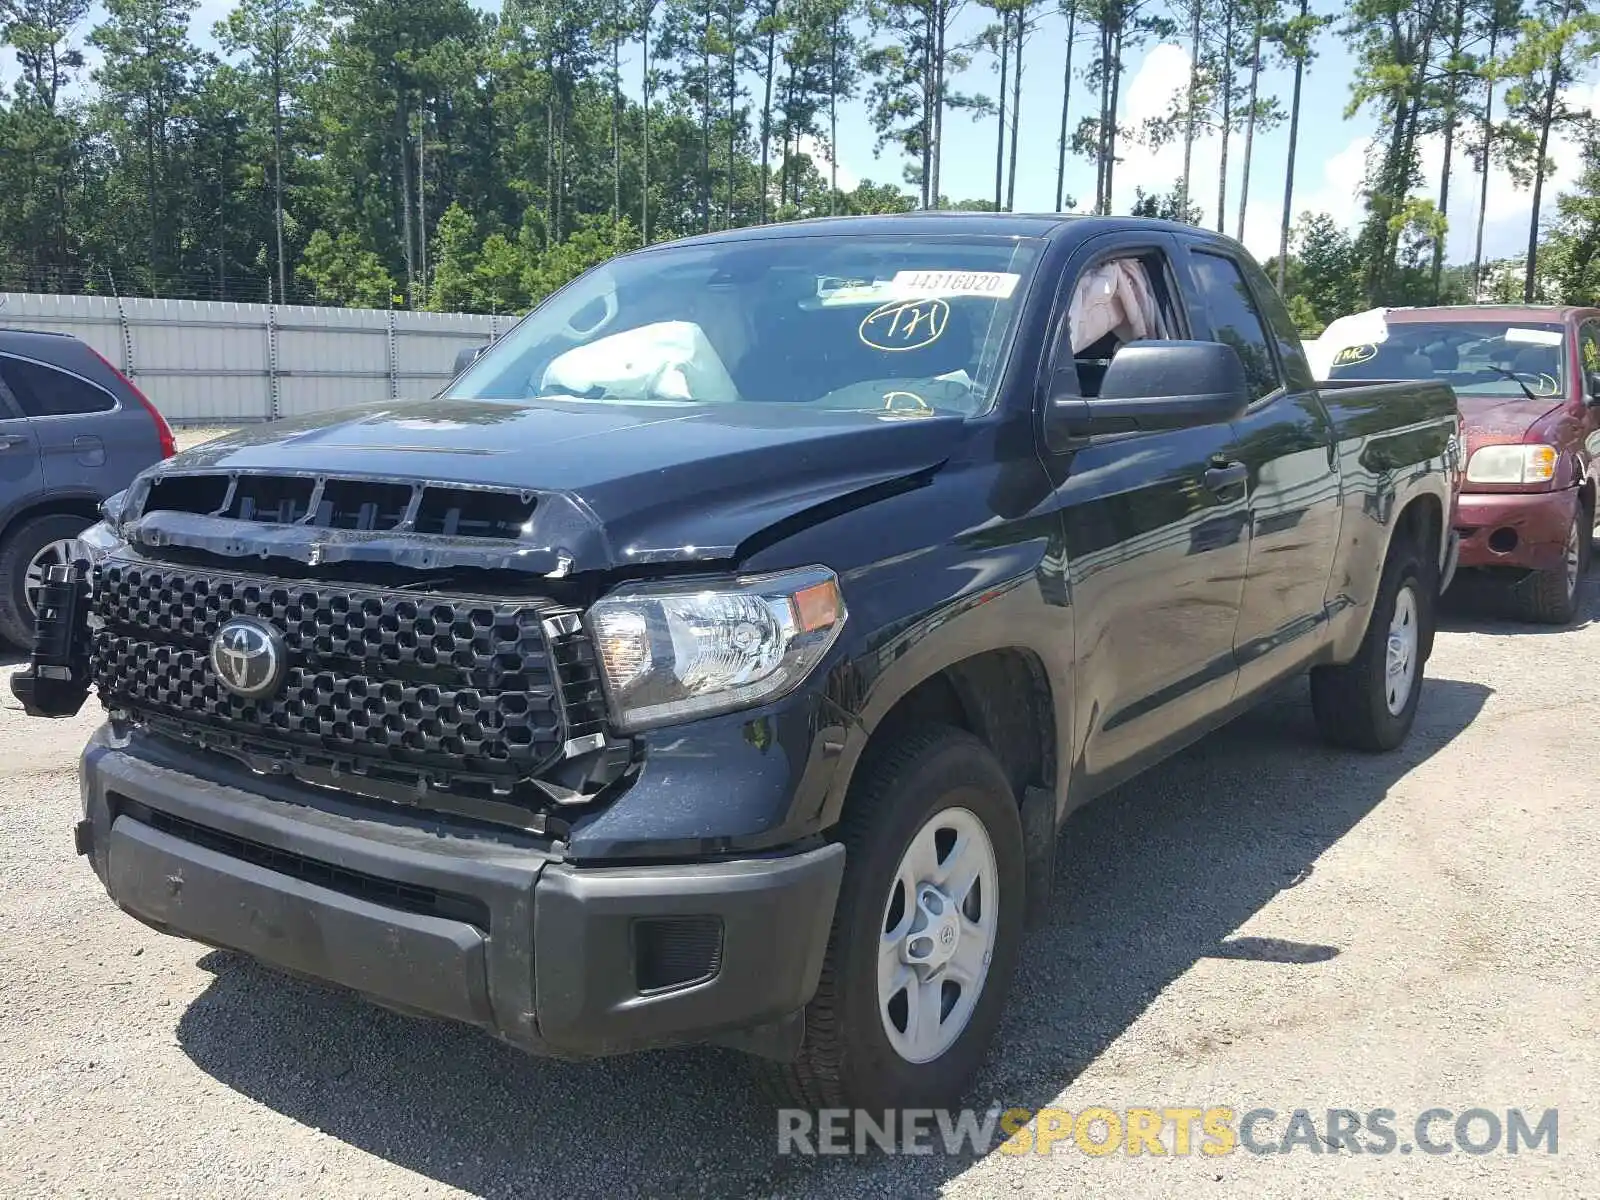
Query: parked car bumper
point(504, 935)
point(1515, 530)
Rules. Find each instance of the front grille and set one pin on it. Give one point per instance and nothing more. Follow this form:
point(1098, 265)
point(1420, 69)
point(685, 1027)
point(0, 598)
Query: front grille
point(447, 691)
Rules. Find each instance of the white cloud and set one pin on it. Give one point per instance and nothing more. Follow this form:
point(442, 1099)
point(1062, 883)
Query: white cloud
point(818, 152)
point(1333, 184)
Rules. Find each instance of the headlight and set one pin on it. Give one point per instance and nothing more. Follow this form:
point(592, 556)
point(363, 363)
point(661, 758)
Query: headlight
point(1512, 464)
point(669, 653)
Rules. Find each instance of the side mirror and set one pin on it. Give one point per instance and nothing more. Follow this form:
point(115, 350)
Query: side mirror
point(1152, 385)
point(468, 355)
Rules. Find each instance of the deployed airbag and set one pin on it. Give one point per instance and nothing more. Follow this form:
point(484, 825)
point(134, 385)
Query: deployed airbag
point(668, 361)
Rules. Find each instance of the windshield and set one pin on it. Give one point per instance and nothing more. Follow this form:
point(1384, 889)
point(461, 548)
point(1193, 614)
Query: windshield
point(1476, 358)
point(912, 326)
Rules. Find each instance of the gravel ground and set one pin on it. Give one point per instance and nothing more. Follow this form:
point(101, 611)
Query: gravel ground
point(1261, 923)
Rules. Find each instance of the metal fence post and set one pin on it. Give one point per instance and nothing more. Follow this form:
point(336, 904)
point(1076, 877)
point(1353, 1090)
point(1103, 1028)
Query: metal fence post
point(274, 407)
point(394, 361)
point(127, 339)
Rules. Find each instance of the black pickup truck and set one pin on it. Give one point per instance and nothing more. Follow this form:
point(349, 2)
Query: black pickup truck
point(716, 659)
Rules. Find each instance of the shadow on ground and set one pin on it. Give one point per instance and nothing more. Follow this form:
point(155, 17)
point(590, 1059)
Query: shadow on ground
point(1482, 604)
point(1150, 879)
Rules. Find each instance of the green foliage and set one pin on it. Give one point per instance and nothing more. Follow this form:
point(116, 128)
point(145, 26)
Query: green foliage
point(1570, 259)
point(1170, 206)
point(1304, 316)
point(339, 271)
point(594, 241)
point(432, 154)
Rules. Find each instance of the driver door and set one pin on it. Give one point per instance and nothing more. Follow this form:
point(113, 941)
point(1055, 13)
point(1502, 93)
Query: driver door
point(1155, 528)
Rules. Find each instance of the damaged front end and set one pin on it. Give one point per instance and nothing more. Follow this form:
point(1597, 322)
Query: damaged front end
point(422, 644)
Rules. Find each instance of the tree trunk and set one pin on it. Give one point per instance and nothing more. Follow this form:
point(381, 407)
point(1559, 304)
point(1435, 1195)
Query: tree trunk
point(616, 122)
point(733, 95)
point(943, 17)
point(927, 105)
point(402, 125)
point(1191, 115)
point(644, 156)
point(150, 185)
point(1104, 129)
point(1111, 112)
point(705, 120)
point(1288, 170)
point(784, 162)
point(1530, 274)
point(561, 166)
point(422, 198)
point(1485, 166)
point(1000, 126)
point(1457, 34)
point(277, 165)
point(1249, 128)
point(1444, 197)
point(550, 156)
point(1227, 114)
point(1377, 271)
point(1408, 154)
point(1016, 113)
point(1066, 97)
point(833, 115)
point(766, 109)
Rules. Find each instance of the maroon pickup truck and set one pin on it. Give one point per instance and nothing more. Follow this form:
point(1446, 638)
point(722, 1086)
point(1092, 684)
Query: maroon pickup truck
point(1528, 381)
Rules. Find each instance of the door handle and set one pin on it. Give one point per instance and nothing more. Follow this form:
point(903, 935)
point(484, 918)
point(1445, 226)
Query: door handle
point(1220, 479)
point(9, 440)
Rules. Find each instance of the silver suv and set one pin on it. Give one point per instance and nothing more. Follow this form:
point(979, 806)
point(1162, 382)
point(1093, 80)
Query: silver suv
point(73, 431)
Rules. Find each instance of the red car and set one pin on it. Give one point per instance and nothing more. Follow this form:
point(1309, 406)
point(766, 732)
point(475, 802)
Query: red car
point(1528, 381)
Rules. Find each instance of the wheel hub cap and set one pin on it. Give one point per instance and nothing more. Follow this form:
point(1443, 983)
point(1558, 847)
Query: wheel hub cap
point(938, 935)
point(1400, 665)
point(935, 933)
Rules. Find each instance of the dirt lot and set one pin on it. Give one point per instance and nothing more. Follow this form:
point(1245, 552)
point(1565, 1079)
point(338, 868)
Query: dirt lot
point(1263, 923)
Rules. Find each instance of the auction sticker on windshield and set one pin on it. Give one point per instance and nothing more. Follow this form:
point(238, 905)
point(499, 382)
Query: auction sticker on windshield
point(997, 285)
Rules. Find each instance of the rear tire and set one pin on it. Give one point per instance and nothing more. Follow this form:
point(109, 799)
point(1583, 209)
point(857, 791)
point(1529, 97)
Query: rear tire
point(21, 551)
point(1370, 702)
point(1554, 597)
point(941, 789)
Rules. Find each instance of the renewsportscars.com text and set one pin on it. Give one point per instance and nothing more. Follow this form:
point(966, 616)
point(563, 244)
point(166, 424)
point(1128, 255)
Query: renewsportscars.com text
point(1177, 1131)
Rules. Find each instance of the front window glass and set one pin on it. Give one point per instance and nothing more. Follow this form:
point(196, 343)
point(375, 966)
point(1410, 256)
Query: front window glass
point(908, 325)
point(1476, 358)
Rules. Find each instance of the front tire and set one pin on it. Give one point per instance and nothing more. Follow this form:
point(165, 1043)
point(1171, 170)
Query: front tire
point(1554, 597)
point(925, 936)
point(1370, 703)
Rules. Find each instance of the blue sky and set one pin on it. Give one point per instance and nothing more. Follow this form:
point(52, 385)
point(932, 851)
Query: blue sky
point(1330, 159)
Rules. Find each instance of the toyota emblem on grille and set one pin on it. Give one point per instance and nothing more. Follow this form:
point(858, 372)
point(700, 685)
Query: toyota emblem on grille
point(248, 658)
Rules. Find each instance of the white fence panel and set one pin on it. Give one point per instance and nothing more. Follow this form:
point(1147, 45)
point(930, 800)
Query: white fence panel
point(205, 362)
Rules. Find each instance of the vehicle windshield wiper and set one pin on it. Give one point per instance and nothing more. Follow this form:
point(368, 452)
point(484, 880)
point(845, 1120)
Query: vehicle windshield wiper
point(1516, 379)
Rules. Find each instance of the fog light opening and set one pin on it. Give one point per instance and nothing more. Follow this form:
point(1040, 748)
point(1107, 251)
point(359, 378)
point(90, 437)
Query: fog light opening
point(1503, 540)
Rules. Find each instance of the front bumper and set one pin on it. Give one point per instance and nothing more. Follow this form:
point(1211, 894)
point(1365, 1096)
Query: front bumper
point(1515, 529)
point(494, 931)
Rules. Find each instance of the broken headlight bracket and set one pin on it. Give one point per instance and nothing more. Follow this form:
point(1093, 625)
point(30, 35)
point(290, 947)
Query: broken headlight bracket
point(55, 683)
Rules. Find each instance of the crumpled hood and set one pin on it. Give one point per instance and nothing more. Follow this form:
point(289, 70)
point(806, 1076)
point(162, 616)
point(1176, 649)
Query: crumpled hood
point(1496, 420)
point(617, 485)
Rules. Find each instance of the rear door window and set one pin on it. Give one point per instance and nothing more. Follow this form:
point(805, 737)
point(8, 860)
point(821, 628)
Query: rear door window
point(1226, 299)
point(44, 391)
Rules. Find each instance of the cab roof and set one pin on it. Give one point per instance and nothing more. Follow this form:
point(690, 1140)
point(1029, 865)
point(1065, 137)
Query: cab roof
point(941, 221)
